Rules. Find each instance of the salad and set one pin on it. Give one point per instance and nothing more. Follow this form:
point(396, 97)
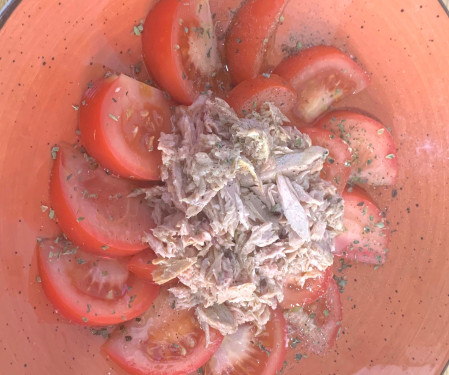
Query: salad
point(201, 213)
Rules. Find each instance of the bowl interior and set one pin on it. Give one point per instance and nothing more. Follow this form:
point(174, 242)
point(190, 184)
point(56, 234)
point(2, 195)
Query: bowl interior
point(395, 317)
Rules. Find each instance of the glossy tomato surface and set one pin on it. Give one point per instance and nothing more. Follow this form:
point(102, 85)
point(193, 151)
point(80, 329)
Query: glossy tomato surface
point(120, 120)
point(180, 49)
point(248, 353)
point(163, 341)
point(95, 209)
point(88, 289)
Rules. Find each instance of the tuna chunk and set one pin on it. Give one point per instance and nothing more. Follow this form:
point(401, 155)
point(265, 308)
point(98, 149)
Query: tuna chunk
point(241, 209)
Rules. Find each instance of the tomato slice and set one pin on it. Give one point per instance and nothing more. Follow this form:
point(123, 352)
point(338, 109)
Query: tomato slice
point(250, 37)
point(180, 49)
point(312, 289)
point(321, 75)
point(120, 120)
point(222, 15)
point(244, 353)
point(316, 325)
point(337, 166)
point(88, 289)
point(366, 236)
point(373, 159)
point(93, 208)
point(163, 341)
point(142, 265)
point(249, 95)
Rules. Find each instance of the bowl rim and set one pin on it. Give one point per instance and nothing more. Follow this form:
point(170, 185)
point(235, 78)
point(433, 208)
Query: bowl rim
point(7, 10)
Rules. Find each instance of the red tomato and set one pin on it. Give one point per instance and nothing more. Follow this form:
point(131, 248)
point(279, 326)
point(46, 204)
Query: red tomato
point(142, 265)
point(321, 75)
point(250, 37)
point(337, 167)
point(366, 236)
point(180, 49)
point(120, 122)
point(244, 353)
point(248, 95)
point(317, 324)
point(313, 289)
point(88, 289)
point(164, 341)
point(222, 15)
point(93, 208)
point(373, 159)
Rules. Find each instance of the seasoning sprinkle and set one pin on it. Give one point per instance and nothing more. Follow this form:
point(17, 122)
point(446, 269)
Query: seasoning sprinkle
point(113, 117)
point(54, 151)
point(390, 156)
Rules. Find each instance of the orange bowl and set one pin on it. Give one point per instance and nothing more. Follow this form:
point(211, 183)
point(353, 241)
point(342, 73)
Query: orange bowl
point(395, 317)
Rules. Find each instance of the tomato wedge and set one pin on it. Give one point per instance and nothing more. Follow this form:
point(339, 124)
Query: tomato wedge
point(180, 49)
point(337, 166)
point(244, 353)
point(163, 341)
point(312, 289)
point(93, 208)
point(88, 289)
point(366, 236)
point(373, 159)
point(316, 325)
point(142, 265)
point(321, 75)
point(120, 120)
point(249, 95)
point(250, 37)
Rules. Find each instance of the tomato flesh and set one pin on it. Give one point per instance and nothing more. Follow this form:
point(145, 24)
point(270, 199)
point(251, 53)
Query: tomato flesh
point(120, 121)
point(89, 289)
point(312, 289)
point(250, 37)
point(321, 75)
point(244, 353)
point(249, 95)
point(366, 235)
point(337, 167)
point(373, 150)
point(93, 208)
point(316, 325)
point(180, 49)
point(163, 341)
point(142, 265)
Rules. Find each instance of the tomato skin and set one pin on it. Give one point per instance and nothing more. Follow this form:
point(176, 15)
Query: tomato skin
point(321, 75)
point(120, 121)
point(168, 29)
point(313, 289)
point(154, 337)
point(250, 36)
point(317, 324)
point(374, 160)
point(243, 353)
point(248, 95)
point(141, 264)
point(56, 260)
point(366, 237)
point(84, 219)
point(336, 168)
point(156, 36)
